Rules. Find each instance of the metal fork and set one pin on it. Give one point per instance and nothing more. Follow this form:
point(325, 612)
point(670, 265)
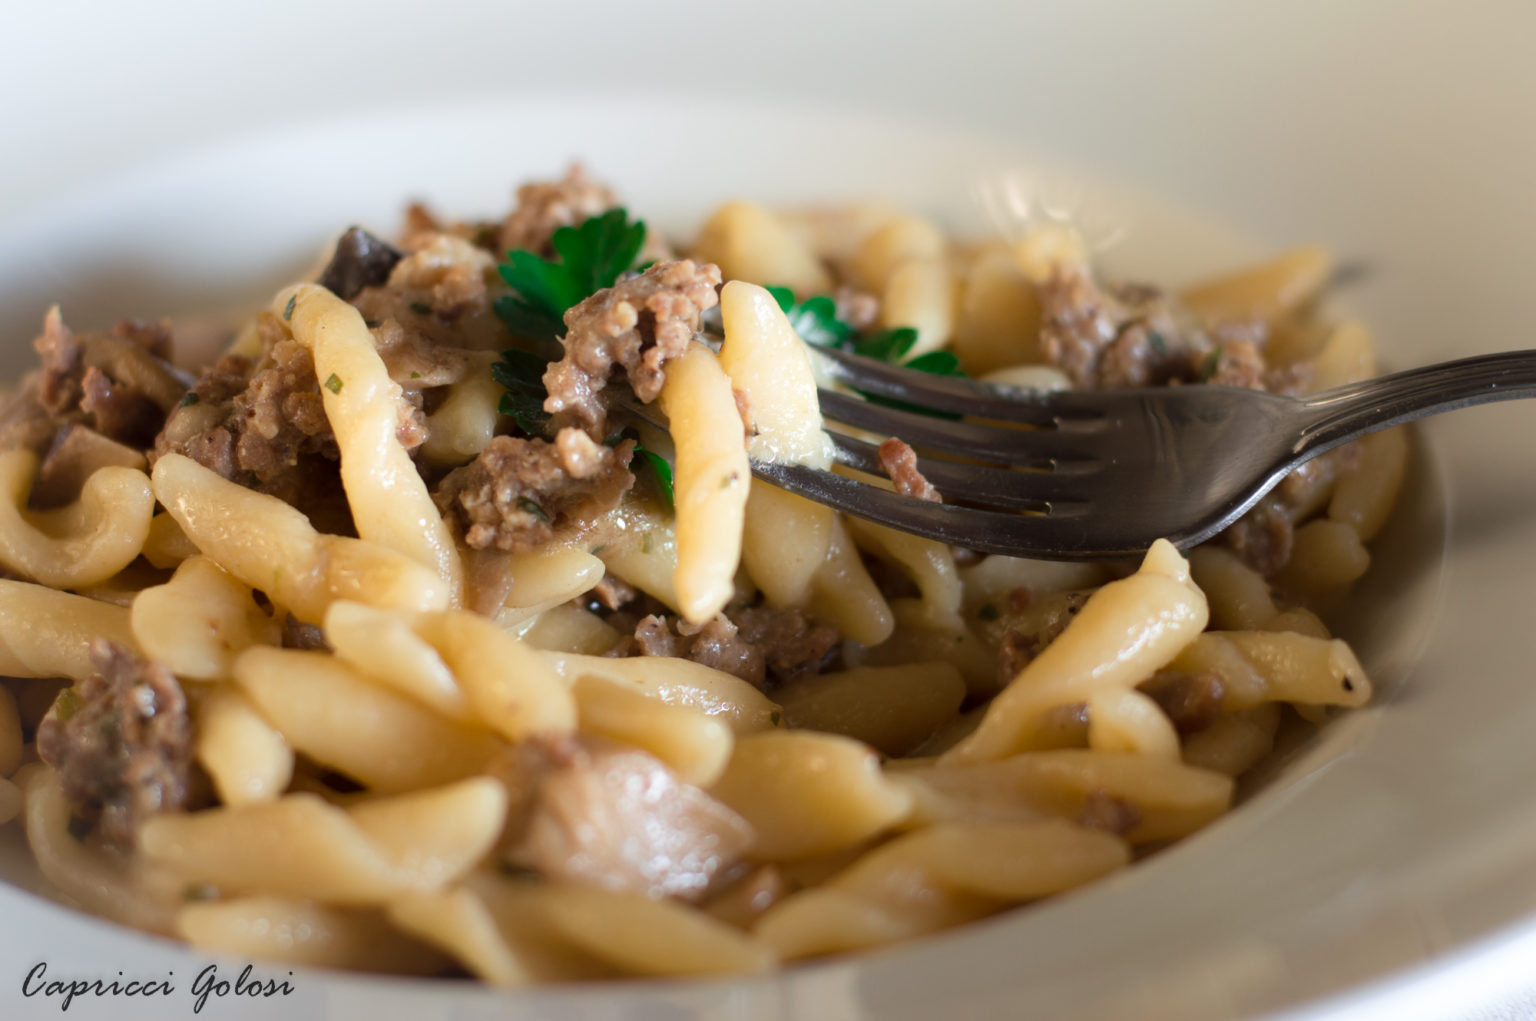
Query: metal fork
point(1103, 474)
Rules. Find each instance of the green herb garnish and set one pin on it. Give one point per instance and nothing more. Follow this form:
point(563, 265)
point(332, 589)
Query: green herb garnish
point(662, 472)
point(66, 704)
point(591, 257)
point(293, 300)
point(189, 398)
point(815, 319)
point(774, 717)
point(530, 507)
point(1210, 366)
point(658, 464)
point(1157, 342)
point(887, 345)
point(333, 383)
point(815, 322)
point(522, 373)
point(421, 308)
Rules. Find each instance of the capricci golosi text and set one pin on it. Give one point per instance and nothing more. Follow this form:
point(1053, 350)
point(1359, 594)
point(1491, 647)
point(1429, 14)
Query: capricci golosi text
point(205, 985)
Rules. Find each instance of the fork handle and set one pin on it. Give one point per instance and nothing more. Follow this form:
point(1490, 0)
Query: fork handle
point(1348, 412)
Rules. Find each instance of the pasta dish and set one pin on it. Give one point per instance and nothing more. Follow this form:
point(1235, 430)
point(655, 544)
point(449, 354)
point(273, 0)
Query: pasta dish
point(391, 638)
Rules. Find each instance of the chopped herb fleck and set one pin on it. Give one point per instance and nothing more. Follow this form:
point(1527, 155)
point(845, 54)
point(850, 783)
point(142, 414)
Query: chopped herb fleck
point(1210, 366)
point(595, 550)
point(415, 374)
point(421, 308)
point(774, 717)
point(529, 507)
point(66, 704)
point(730, 480)
point(333, 383)
point(988, 611)
point(189, 398)
point(293, 300)
point(647, 543)
point(1157, 342)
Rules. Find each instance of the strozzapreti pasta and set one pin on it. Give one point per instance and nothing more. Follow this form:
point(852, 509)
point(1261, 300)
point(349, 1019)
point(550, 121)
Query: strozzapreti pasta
point(396, 640)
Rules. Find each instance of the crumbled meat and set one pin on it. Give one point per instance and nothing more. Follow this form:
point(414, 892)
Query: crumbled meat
point(1264, 536)
point(900, 462)
point(1105, 339)
point(298, 635)
point(1104, 811)
point(1041, 622)
point(262, 423)
point(361, 260)
point(613, 593)
point(518, 494)
point(793, 644)
point(441, 281)
point(125, 751)
point(755, 643)
point(635, 327)
point(612, 816)
point(120, 410)
point(543, 207)
point(260, 434)
point(1192, 701)
point(117, 383)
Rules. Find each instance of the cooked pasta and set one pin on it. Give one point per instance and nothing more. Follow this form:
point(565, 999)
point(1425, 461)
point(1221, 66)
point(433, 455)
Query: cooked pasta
point(388, 643)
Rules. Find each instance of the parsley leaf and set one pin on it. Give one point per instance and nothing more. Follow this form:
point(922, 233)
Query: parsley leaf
point(522, 373)
point(815, 319)
point(887, 345)
point(661, 470)
point(649, 458)
point(591, 256)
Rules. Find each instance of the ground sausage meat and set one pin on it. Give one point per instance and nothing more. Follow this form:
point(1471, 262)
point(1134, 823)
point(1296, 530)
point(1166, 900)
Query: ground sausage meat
point(1105, 338)
point(756, 643)
point(519, 494)
point(262, 422)
point(123, 745)
point(1191, 700)
point(1032, 625)
point(900, 463)
point(118, 384)
point(543, 207)
point(634, 327)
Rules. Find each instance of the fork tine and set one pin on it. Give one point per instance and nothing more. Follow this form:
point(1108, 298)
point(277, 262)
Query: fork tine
point(1038, 447)
point(948, 393)
point(972, 484)
point(1063, 534)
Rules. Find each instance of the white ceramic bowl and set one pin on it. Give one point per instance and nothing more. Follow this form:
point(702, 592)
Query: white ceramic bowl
point(1390, 864)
